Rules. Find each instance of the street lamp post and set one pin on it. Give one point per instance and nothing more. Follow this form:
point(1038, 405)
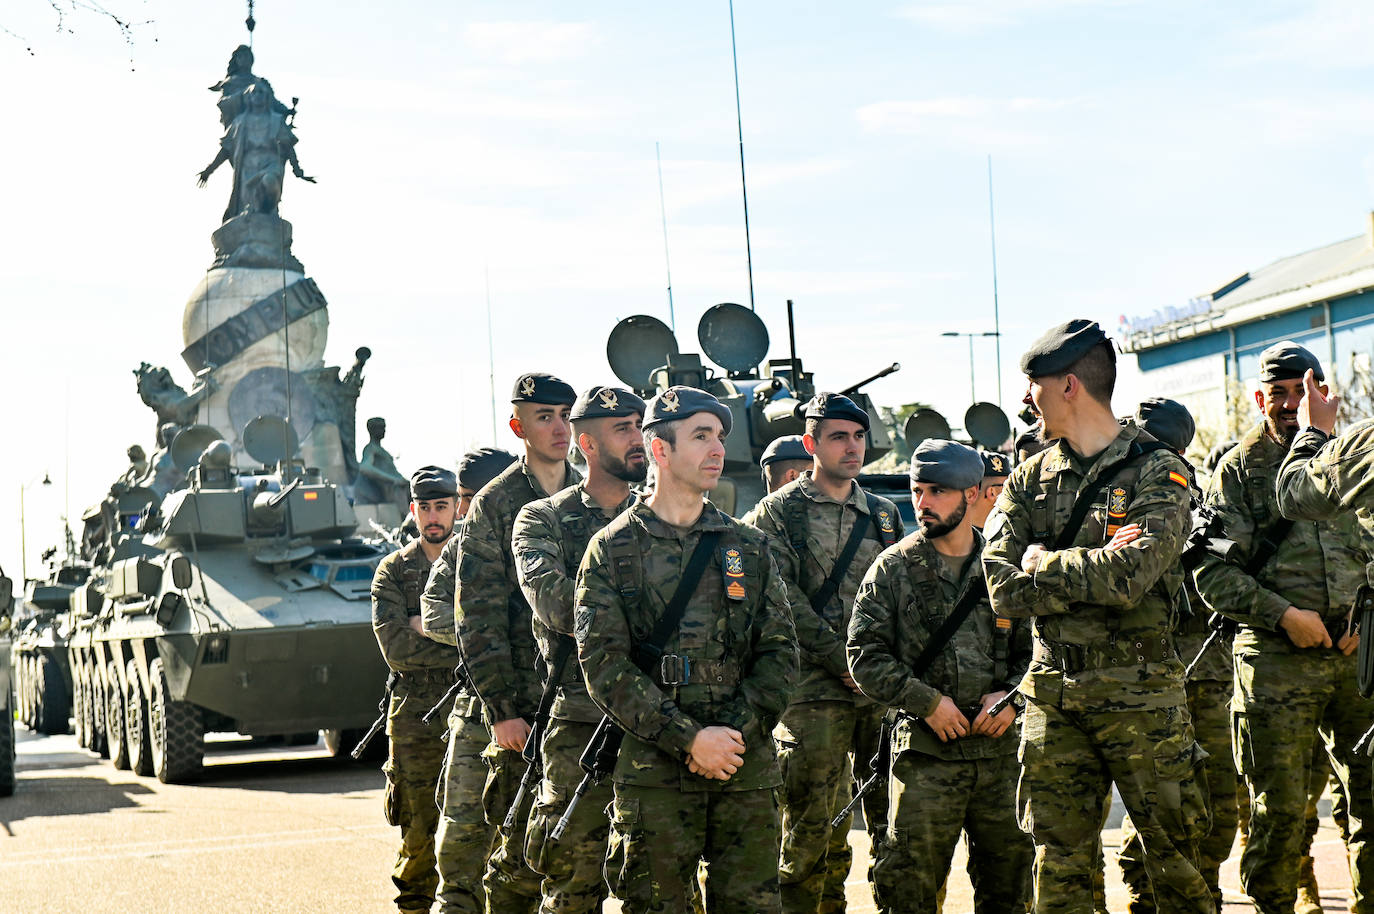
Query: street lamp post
point(973, 391)
point(23, 536)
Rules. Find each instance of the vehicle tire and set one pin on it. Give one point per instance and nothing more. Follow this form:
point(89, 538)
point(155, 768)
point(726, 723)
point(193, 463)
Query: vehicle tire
point(177, 744)
point(136, 723)
point(54, 704)
point(79, 718)
point(340, 744)
point(98, 706)
point(23, 688)
point(7, 748)
point(114, 719)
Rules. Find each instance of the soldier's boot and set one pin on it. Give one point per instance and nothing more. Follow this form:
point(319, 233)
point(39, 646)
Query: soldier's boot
point(1309, 895)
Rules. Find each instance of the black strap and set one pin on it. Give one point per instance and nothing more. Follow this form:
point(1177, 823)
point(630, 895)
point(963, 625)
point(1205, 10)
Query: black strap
point(831, 585)
point(1269, 544)
point(561, 654)
point(1088, 496)
point(647, 652)
point(977, 590)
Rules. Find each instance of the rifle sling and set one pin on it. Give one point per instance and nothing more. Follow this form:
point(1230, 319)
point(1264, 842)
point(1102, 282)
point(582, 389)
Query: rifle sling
point(1269, 544)
point(975, 593)
point(647, 652)
point(831, 585)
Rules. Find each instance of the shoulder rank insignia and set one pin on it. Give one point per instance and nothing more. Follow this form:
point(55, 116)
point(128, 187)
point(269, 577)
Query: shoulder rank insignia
point(732, 567)
point(608, 399)
point(668, 401)
point(527, 387)
point(1116, 510)
point(1178, 478)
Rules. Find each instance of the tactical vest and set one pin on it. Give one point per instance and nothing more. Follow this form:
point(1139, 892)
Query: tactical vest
point(926, 584)
point(796, 521)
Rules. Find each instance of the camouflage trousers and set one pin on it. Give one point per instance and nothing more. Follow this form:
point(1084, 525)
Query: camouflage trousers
point(815, 742)
point(659, 835)
point(571, 866)
point(1069, 760)
point(1209, 703)
point(412, 776)
point(931, 802)
point(463, 839)
point(1283, 702)
point(512, 887)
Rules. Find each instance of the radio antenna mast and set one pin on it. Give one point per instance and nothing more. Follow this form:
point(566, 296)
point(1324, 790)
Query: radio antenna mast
point(996, 310)
point(744, 186)
point(663, 210)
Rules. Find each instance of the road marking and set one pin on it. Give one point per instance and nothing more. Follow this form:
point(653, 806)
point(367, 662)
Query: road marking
point(217, 844)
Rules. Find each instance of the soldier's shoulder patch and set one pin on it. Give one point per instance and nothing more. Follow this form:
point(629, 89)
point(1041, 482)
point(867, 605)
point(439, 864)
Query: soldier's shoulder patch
point(732, 568)
point(1179, 478)
point(885, 521)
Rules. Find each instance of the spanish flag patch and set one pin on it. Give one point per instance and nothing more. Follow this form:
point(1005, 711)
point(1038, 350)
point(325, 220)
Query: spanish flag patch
point(1179, 478)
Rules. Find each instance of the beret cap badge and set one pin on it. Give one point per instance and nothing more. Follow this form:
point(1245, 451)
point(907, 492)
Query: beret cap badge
point(527, 386)
point(608, 399)
point(669, 401)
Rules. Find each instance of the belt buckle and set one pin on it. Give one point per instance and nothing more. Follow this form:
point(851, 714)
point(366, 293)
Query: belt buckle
point(674, 669)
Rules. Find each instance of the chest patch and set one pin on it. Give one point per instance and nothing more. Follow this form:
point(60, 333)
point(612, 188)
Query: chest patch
point(1116, 510)
point(732, 569)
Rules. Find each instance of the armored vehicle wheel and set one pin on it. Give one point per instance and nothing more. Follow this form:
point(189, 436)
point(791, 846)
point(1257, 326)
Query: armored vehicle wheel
point(7, 748)
point(23, 688)
point(95, 707)
point(54, 704)
point(178, 747)
point(79, 719)
point(31, 690)
point(136, 723)
point(114, 719)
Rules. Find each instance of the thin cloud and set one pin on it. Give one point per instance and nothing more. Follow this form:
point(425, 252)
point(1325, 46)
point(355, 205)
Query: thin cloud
point(1331, 34)
point(972, 15)
point(530, 42)
point(985, 122)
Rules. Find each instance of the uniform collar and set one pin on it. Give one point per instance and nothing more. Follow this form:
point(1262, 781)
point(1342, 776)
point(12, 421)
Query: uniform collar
point(812, 491)
point(925, 550)
point(590, 503)
point(711, 519)
point(1061, 457)
point(1259, 448)
point(569, 477)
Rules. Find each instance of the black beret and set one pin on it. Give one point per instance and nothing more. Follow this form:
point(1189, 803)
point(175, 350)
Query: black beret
point(1167, 420)
point(946, 463)
point(1286, 360)
point(606, 403)
point(995, 464)
point(432, 482)
point(826, 405)
point(542, 387)
point(679, 402)
point(479, 467)
point(788, 447)
point(1060, 347)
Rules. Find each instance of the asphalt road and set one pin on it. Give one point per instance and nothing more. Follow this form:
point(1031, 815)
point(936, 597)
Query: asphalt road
point(285, 829)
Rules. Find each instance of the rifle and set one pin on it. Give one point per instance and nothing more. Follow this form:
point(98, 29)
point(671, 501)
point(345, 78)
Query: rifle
point(1221, 627)
point(382, 706)
point(882, 760)
point(534, 762)
point(598, 761)
point(460, 676)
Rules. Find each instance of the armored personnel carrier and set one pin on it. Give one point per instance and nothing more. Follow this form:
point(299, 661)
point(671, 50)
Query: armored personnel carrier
point(238, 603)
point(7, 747)
point(42, 673)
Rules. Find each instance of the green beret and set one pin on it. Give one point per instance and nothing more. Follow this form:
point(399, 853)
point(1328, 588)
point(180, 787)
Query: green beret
point(432, 482)
point(788, 447)
point(1167, 420)
point(679, 402)
point(826, 405)
point(1286, 360)
point(946, 463)
point(542, 387)
point(479, 467)
point(1060, 347)
point(995, 465)
point(606, 403)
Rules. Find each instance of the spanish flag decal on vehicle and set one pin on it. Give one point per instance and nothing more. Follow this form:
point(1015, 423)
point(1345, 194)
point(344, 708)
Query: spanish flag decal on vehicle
point(1179, 478)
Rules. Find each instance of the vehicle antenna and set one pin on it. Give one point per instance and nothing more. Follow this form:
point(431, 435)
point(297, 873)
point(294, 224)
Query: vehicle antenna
point(744, 186)
point(663, 210)
point(491, 355)
point(792, 343)
point(996, 310)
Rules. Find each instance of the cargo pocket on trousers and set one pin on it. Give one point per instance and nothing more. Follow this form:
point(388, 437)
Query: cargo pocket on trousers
point(391, 800)
point(548, 809)
point(627, 864)
point(1184, 807)
point(493, 809)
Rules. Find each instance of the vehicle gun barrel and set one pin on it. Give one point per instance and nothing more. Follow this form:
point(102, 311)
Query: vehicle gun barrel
point(852, 389)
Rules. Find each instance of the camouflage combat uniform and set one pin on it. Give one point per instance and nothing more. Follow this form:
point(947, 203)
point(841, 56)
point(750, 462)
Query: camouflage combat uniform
point(741, 663)
point(425, 672)
point(1283, 694)
point(463, 839)
point(825, 720)
point(550, 538)
point(1105, 696)
point(497, 642)
point(1323, 476)
point(939, 790)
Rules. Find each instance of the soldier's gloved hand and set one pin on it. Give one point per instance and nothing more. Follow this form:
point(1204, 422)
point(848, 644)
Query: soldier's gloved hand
point(1304, 628)
point(993, 726)
point(511, 734)
point(1127, 534)
point(716, 753)
point(947, 721)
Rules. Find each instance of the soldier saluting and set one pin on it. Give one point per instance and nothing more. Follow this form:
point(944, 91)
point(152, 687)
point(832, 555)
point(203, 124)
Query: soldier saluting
point(824, 531)
point(422, 672)
point(550, 538)
point(1104, 694)
point(686, 641)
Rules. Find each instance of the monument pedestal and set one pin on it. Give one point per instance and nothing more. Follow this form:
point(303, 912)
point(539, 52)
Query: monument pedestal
point(255, 240)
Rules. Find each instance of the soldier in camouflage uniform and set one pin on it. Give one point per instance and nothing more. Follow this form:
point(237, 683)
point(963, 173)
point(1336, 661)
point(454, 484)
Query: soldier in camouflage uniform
point(465, 836)
point(1294, 676)
point(1209, 701)
point(550, 538)
point(697, 772)
point(783, 460)
point(423, 671)
point(1105, 697)
point(953, 767)
point(809, 523)
point(1325, 476)
point(996, 469)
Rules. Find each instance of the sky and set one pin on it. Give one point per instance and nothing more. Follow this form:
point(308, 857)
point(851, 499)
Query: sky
point(1142, 153)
